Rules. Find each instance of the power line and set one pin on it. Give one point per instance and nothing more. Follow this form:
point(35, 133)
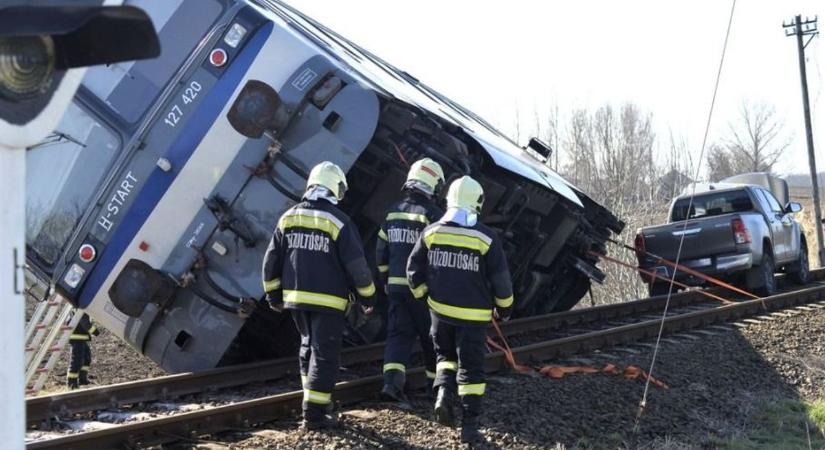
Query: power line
point(643, 403)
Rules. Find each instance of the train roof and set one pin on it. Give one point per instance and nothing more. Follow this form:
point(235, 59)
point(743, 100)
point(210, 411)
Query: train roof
point(400, 85)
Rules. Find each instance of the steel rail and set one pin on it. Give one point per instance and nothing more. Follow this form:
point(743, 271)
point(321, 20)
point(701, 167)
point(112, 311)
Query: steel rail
point(246, 413)
point(167, 387)
point(42, 408)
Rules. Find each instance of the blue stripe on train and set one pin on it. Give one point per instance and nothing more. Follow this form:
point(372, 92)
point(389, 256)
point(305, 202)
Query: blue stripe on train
point(178, 154)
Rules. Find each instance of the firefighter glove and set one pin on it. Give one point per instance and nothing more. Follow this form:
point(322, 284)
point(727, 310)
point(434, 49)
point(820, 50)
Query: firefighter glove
point(246, 307)
point(277, 306)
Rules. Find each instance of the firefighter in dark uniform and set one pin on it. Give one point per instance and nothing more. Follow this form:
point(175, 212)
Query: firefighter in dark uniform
point(459, 267)
point(314, 261)
point(407, 318)
point(81, 357)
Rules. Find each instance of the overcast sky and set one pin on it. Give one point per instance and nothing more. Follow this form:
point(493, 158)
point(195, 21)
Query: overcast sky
point(495, 57)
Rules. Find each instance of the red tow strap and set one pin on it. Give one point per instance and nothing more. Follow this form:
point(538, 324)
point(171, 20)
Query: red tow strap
point(629, 372)
point(508, 353)
point(687, 270)
point(656, 275)
point(556, 372)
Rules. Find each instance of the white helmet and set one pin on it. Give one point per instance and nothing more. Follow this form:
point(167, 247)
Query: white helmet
point(427, 172)
point(330, 176)
point(465, 192)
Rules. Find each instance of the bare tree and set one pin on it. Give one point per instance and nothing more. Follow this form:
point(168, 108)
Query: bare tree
point(580, 150)
point(754, 142)
point(610, 154)
point(677, 167)
point(719, 163)
point(517, 126)
point(548, 129)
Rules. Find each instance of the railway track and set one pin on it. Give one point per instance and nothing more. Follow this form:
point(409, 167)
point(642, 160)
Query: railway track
point(41, 408)
point(689, 312)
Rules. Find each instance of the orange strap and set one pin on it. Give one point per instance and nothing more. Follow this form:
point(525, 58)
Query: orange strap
point(656, 275)
point(508, 353)
point(688, 270)
point(629, 372)
point(557, 372)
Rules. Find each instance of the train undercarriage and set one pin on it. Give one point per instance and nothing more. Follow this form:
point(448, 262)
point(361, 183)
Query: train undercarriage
point(547, 237)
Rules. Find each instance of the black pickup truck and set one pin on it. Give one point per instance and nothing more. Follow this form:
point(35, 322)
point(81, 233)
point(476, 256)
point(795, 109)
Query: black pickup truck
point(739, 233)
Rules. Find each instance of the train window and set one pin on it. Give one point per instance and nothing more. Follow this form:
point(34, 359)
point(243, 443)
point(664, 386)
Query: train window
point(129, 88)
point(64, 171)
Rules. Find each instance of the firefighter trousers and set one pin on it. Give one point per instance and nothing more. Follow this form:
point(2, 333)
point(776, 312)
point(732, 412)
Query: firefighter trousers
point(408, 319)
point(81, 359)
point(460, 362)
point(319, 358)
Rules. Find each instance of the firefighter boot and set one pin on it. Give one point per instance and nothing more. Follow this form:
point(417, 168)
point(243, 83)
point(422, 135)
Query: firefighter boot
point(471, 410)
point(429, 391)
point(83, 379)
point(72, 383)
point(444, 406)
point(317, 417)
point(393, 390)
point(469, 430)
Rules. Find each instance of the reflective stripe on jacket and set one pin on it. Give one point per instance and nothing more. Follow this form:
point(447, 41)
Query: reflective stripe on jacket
point(84, 329)
point(399, 232)
point(315, 259)
point(461, 272)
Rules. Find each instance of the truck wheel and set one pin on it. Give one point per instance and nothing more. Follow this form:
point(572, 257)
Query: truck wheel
point(655, 289)
point(762, 280)
point(799, 272)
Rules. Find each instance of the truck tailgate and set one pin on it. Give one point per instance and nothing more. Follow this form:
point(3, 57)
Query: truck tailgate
point(705, 237)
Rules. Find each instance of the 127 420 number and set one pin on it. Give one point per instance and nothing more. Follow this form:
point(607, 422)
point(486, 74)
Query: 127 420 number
point(188, 95)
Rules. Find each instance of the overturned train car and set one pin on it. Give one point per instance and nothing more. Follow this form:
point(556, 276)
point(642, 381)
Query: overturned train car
point(153, 202)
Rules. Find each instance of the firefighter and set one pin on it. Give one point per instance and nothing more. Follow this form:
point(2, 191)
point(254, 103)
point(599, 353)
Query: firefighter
point(407, 318)
point(81, 358)
point(459, 267)
point(314, 260)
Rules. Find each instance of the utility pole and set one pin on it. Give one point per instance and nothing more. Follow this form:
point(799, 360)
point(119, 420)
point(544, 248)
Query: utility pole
point(800, 29)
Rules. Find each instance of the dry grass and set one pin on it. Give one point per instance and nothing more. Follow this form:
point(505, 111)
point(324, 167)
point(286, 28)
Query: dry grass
point(807, 221)
point(622, 283)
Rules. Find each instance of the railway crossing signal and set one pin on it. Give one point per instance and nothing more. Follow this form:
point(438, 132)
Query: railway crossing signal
point(42, 52)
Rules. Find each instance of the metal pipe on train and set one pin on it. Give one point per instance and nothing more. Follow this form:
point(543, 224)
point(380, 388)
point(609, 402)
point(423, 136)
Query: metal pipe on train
point(152, 204)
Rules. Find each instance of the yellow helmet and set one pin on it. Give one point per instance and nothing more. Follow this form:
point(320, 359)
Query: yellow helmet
point(330, 176)
point(428, 172)
point(465, 192)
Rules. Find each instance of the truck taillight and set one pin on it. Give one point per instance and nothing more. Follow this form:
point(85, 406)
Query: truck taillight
point(639, 244)
point(740, 232)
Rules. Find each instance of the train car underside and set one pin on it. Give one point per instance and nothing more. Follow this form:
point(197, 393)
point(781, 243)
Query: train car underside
point(198, 310)
point(547, 236)
point(180, 214)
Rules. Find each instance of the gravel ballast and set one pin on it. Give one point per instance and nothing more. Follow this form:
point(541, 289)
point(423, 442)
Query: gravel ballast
point(113, 361)
point(718, 379)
